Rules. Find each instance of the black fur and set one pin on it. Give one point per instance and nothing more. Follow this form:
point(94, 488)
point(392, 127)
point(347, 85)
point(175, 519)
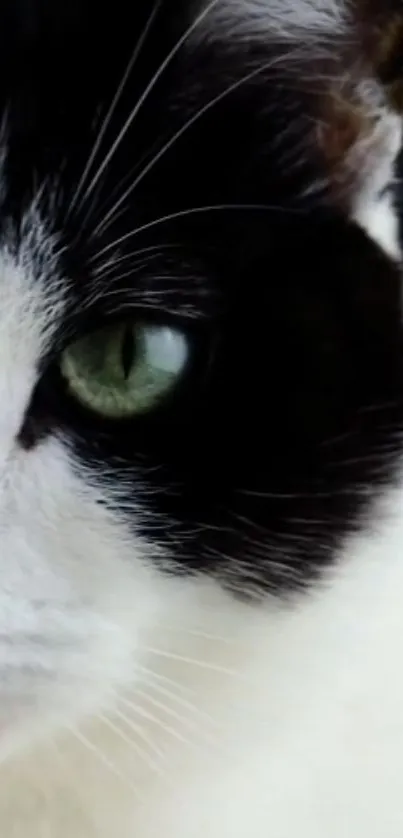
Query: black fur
point(289, 419)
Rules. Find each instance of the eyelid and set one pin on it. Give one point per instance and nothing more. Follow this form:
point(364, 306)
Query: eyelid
point(102, 316)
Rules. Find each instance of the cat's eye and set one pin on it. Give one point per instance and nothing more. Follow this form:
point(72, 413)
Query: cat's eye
point(125, 369)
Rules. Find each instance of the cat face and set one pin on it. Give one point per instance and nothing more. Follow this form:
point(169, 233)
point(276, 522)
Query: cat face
point(201, 367)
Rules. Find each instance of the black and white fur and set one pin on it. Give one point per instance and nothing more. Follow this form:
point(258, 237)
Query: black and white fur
point(201, 611)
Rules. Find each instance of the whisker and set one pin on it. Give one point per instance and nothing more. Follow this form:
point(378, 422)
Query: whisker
point(115, 101)
point(135, 268)
point(152, 148)
point(152, 252)
point(308, 495)
point(170, 694)
point(150, 717)
point(151, 292)
point(158, 309)
point(100, 756)
point(159, 705)
point(185, 213)
point(144, 96)
point(144, 755)
point(193, 632)
point(139, 732)
point(165, 680)
point(200, 741)
point(162, 653)
point(103, 226)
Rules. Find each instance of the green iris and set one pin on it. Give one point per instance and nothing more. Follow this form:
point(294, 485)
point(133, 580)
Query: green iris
point(124, 369)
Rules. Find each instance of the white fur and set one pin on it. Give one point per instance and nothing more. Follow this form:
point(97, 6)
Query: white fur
point(134, 704)
point(373, 208)
point(288, 723)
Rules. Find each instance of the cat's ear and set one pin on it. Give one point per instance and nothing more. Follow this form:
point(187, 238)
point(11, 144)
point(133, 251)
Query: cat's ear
point(335, 79)
point(360, 133)
point(359, 137)
point(357, 114)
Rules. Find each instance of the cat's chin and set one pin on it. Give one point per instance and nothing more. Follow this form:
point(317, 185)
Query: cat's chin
point(22, 733)
point(28, 721)
point(18, 731)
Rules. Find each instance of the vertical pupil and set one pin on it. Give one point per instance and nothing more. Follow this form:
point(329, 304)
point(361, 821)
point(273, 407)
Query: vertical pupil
point(128, 350)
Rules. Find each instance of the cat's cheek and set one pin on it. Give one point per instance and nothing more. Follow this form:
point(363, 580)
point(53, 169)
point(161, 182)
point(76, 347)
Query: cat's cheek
point(77, 594)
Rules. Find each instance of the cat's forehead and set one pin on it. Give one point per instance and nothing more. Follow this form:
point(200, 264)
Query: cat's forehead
point(66, 61)
point(160, 107)
point(184, 169)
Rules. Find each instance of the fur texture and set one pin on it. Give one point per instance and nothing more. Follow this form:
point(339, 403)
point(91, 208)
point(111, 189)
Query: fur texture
point(201, 607)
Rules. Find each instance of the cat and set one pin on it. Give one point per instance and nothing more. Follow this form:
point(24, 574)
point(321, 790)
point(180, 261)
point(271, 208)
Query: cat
point(201, 419)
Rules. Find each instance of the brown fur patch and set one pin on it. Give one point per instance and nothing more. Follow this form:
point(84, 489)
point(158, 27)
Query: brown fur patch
point(348, 114)
point(381, 22)
point(344, 122)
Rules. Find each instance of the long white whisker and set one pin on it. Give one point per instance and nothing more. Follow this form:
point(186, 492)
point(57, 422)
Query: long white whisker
point(138, 730)
point(135, 266)
point(194, 632)
point(156, 278)
point(152, 148)
point(149, 88)
point(146, 714)
point(165, 680)
point(115, 101)
point(159, 705)
point(185, 214)
point(100, 756)
point(144, 755)
point(170, 694)
point(201, 664)
point(171, 142)
point(159, 309)
point(151, 252)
